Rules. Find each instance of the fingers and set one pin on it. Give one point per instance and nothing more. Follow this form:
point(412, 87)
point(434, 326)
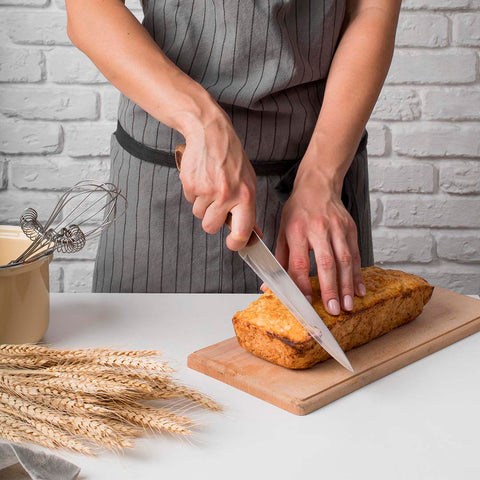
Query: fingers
point(281, 250)
point(327, 274)
point(344, 261)
point(243, 221)
point(214, 217)
point(189, 195)
point(299, 262)
point(200, 206)
point(358, 282)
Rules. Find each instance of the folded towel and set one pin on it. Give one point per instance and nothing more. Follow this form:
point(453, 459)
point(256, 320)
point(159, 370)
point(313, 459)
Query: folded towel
point(33, 464)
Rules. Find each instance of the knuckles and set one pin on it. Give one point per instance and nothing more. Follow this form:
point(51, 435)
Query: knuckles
point(246, 194)
point(341, 223)
point(243, 234)
point(325, 262)
point(188, 185)
point(345, 258)
point(210, 227)
point(296, 228)
point(223, 192)
point(356, 256)
point(298, 264)
point(320, 223)
point(328, 292)
point(196, 211)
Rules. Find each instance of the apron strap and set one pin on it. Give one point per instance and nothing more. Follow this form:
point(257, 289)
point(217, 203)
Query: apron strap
point(152, 155)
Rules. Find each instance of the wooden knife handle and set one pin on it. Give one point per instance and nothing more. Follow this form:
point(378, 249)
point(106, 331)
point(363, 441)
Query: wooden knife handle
point(179, 151)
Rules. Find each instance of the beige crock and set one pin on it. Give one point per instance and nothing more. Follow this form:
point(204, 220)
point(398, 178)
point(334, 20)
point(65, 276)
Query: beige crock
point(24, 291)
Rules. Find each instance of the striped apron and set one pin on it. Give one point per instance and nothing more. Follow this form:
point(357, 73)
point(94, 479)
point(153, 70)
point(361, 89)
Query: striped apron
point(265, 62)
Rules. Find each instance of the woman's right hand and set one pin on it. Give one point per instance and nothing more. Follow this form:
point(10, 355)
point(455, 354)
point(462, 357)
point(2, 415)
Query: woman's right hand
point(216, 175)
point(218, 178)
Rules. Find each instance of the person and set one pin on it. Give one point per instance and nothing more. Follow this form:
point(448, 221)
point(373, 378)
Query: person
point(271, 98)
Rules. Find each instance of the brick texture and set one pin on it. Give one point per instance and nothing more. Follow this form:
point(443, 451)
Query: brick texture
point(3, 174)
point(69, 65)
point(24, 3)
point(432, 212)
point(57, 112)
point(438, 140)
point(451, 104)
point(391, 178)
point(88, 140)
point(19, 137)
point(21, 65)
point(12, 205)
point(425, 66)
point(459, 247)
point(110, 104)
point(38, 173)
point(466, 29)
point(397, 104)
point(462, 179)
point(422, 30)
point(40, 103)
point(403, 247)
point(435, 4)
point(38, 28)
point(377, 139)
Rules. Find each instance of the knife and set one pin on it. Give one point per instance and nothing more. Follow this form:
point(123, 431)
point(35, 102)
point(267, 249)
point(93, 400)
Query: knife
point(262, 261)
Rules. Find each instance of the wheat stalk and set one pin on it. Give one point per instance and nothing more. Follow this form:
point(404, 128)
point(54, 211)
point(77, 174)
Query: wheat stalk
point(139, 374)
point(105, 433)
point(30, 356)
point(28, 349)
point(26, 361)
point(170, 390)
point(112, 384)
point(63, 398)
point(16, 431)
point(154, 418)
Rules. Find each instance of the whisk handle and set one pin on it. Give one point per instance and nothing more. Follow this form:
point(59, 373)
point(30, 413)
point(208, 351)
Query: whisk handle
point(179, 151)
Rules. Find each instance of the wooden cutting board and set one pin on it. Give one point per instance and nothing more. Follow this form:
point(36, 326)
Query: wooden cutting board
point(447, 318)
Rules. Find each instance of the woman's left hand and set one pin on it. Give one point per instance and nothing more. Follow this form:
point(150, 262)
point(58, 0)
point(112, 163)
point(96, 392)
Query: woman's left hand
point(314, 218)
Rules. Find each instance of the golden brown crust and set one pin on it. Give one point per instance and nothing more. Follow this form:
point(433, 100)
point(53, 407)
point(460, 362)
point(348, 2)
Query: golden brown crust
point(268, 330)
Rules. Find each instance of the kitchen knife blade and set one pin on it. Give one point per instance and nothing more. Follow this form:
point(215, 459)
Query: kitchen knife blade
point(261, 260)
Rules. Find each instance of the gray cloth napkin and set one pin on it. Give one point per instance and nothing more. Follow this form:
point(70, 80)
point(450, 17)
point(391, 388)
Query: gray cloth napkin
point(34, 465)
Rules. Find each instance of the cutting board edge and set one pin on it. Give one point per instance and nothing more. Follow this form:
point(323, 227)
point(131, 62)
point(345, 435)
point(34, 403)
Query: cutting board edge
point(215, 370)
point(389, 366)
point(299, 406)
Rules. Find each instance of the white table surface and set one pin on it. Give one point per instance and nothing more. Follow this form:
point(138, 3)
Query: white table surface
point(421, 422)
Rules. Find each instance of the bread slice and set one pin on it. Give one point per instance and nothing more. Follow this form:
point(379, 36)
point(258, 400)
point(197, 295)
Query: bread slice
point(269, 331)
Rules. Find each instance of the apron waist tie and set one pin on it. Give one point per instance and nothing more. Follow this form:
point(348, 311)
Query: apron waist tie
point(152, 155)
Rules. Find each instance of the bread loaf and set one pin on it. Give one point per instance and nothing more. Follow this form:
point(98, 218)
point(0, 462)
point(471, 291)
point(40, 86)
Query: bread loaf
point(269, 331)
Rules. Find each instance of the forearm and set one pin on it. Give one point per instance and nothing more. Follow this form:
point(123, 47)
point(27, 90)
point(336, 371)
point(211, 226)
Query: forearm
point(108, 33)
point(356, 76)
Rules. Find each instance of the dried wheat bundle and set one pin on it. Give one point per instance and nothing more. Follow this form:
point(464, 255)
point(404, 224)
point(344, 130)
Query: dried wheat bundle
point(84, 399)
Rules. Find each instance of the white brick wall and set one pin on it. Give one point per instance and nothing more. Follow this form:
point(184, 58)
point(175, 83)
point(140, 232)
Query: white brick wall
point(57, 112)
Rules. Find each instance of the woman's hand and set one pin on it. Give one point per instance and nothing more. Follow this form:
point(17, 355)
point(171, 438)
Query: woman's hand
point(216, 175)
point(314, 218)
point(218, 178)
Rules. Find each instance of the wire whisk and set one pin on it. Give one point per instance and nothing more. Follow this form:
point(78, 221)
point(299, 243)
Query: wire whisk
point(73, 221)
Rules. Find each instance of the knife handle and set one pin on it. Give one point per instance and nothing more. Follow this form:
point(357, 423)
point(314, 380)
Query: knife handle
point(179, 151)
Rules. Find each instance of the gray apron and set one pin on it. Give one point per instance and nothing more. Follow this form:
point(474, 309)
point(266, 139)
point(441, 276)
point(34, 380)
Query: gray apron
point(265, 62)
